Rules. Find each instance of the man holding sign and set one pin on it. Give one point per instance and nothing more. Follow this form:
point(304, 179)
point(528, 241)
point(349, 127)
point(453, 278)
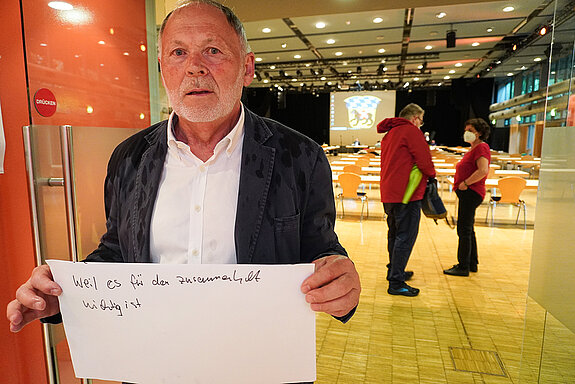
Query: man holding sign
point(214, 184)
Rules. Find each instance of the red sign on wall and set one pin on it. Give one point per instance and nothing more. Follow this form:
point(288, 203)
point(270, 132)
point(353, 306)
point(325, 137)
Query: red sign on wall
point(45, 102)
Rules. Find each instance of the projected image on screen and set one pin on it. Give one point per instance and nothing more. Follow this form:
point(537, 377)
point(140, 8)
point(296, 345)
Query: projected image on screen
point(355, 115)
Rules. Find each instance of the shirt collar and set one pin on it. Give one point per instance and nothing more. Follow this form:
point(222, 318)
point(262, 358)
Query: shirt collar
point(228, 143)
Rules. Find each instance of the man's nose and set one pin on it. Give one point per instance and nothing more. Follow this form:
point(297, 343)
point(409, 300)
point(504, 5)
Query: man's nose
point(196, 67)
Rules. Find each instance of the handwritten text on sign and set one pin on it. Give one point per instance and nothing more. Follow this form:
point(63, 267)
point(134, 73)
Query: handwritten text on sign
point(152, 323)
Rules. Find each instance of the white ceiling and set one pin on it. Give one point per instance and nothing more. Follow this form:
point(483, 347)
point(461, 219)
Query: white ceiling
point(359, 39)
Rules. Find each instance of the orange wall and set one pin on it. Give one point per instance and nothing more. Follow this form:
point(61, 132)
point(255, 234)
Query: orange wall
point(68, 59)
point(22, 354)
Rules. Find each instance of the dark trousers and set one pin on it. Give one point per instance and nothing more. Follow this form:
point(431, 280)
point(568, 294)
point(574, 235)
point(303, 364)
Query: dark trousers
point(403, 227)
point(467, 249)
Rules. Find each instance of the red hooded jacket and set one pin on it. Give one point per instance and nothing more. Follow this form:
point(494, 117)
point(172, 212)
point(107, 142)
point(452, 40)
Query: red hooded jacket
point(402, 146)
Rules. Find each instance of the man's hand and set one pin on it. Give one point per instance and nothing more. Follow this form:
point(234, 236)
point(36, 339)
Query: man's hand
point(334, 287)
point(35, 299)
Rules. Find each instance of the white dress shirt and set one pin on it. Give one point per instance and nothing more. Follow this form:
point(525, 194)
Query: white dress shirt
point(194, 216)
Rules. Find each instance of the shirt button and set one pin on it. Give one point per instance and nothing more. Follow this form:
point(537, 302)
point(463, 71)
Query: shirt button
point(197, 208)
point(202, 168)
point(195, 252)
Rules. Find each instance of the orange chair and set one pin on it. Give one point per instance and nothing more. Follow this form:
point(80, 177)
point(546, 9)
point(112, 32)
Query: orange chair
point(510, 189)
point(349, 183)
point(362, 162)
point(352, 168)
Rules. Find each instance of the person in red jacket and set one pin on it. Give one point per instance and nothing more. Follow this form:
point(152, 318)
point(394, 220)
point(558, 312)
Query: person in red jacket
point(402, 147)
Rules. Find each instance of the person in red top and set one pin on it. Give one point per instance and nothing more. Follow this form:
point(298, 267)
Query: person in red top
point(470, 175)
point(402, 146)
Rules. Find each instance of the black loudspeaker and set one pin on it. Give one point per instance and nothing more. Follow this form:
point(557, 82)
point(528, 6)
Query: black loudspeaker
point(450, 39)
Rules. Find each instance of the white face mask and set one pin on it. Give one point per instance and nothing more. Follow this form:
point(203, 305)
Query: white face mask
point(469, 137)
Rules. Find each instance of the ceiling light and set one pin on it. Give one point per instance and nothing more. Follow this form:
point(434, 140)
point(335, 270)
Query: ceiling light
point(320, 25)
point(386, 80)
point(297, 56)
point(266, 81)
point(446, 77)
point(142, 48)
point(458, 64)
point(420, 66)
point(142, 116)
point(441, 15)
point(508, 9)
point(490, 29)
point(428, 47)
point(415, 78)
point(307, 64)
point(126, 53)
point(348, 22)
point(498, 62)
point(259, 59)
point(272, 67)
point(301, 84)
point(377, 20)
point(339, 53)
point(379, 37)
point(406, 84)
point(322, 78)
point(476, 44)
point(381, 50)
point(433, 33)
point(543, 31)
point(266, 30)
point(60, 5)
point(293, 79)
point(537, 59)
point(101, 42)
point(452, 71)
point(330, 41)
point(510, 74)
point(439, 84)
point(43, 44)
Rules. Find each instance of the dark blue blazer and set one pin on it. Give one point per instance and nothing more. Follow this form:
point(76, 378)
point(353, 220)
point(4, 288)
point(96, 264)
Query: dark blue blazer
point(285, 211)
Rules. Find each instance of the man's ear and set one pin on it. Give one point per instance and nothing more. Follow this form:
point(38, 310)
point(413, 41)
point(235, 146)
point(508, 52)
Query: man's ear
point(250, 69)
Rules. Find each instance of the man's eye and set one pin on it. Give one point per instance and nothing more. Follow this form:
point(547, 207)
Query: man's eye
point(214, 51)
point(179, 52)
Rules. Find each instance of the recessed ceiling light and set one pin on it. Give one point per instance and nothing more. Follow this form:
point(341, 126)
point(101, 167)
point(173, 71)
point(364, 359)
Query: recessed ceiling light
point(416, 79)
point(420, 66)
point(348, 22)
point(266, 81)
point(126, 53)
point(458, 64)
point(307, 64)
point(489, 29)
point(510, 74)
point(329, 83)
point(284, 45)
point(297, 56)
point(523, 68)
point(322, 78)
point(446, 77)
point(101, 42)
point(60, 5)
point(43, 44)
point(428, 47)
point(441, 15)
point(320, 25)
point(433, 33)
point(293, 79)
point(498, 62)
point(386, 80)
point(272, 67)
point(301, 84)
point(377, 20)
point(384, 69)
point(381, 50)
point(476, 44)
point(266, 30)
point(508, 9)
point(344, 63)
point(259, 59)
point(380, 37)
point(330, 41)
point(537, 59)
point(339, 53)
point(452, 71)
point(439, 84)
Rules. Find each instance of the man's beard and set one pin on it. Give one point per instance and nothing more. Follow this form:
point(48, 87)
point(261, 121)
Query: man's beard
point(205, 113)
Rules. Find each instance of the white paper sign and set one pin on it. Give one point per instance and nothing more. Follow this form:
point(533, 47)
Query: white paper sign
point(158, 323)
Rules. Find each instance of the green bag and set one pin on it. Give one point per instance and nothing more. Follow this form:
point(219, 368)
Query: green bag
point(415, 177)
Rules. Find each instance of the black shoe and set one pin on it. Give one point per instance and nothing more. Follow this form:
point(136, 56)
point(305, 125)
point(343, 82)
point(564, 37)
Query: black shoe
point(473, 268)
point(456, 270)
point(404, 290)
point(407, 275)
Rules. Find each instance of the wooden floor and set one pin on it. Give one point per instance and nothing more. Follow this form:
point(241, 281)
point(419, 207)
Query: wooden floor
point(458, 330)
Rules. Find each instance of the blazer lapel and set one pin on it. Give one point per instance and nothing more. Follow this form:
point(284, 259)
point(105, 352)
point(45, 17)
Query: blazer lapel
point(147, 182)
point(255, 177)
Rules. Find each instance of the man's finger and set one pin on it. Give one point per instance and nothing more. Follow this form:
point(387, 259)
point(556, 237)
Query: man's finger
point(339, 307)
point(335, 289)
point(327, 269)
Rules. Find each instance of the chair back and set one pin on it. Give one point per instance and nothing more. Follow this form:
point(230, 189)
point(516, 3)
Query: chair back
point(349, 183)
point(352, 168)
point(510, 188)
point(362, 162)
